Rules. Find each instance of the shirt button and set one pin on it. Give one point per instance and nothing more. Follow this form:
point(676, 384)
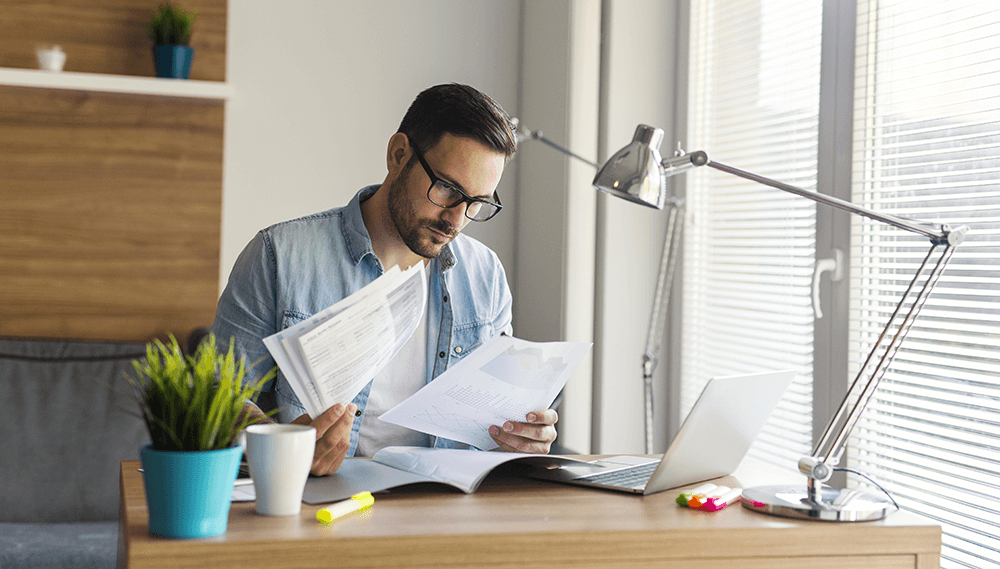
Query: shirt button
point(446, 298)
point(458, 349)
point(442, 354)
point(357, 413)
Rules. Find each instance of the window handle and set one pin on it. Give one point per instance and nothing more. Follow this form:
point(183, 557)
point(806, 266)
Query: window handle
point(833, 265)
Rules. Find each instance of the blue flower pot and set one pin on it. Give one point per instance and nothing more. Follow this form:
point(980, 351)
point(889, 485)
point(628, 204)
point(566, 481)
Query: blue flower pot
point(173, 61)
point(189, 492)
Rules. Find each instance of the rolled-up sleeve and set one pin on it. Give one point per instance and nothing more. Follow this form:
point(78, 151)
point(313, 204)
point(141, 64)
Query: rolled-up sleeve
point(246, 311)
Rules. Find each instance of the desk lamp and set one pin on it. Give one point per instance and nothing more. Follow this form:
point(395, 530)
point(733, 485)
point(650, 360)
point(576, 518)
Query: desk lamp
point(637, 173)
point(664, 278)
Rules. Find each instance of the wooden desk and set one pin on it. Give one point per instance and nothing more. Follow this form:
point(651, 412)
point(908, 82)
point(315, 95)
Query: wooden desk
point(512, 522)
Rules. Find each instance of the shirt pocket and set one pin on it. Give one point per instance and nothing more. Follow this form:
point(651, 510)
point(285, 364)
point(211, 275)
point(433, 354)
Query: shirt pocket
point(468, 337)
point(290, 318)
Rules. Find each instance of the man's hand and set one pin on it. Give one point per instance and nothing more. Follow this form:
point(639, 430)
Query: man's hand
point(534, 436)
point(333, 437)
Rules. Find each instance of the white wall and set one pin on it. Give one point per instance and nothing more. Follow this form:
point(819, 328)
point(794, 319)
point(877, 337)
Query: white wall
point(320, 86)
point(560, 79)
point(587, 263)
point(638, 86)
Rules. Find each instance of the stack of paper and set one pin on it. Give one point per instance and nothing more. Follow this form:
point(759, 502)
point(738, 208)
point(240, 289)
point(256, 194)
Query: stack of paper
point(330, 357)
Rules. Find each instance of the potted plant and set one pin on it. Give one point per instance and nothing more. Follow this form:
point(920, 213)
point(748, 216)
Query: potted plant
point(170, 30)
point(193, 409)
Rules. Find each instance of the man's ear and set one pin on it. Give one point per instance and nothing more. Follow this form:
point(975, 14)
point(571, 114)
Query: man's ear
point(397, 154)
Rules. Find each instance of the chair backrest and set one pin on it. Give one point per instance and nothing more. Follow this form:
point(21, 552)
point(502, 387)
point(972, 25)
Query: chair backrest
point(67, 419)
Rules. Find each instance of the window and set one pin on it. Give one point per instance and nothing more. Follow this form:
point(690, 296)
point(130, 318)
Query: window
point(927, 146)
point(748, 249)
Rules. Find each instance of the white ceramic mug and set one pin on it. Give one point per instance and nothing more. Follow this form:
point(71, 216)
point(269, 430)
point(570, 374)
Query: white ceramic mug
point(280, 457)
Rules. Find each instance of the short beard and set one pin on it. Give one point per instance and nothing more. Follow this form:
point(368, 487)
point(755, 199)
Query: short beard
point(401, 213)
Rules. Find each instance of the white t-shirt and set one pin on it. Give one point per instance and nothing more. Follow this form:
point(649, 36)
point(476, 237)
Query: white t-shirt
point(403, 376)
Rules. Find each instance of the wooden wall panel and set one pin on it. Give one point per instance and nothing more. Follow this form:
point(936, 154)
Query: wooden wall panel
point(107, 36)
point(110, 210)
point(110, 206)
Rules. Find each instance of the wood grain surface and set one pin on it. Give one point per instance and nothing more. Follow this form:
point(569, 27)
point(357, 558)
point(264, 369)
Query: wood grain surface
point(110, 215)
point(513, 522)
point(110, 206)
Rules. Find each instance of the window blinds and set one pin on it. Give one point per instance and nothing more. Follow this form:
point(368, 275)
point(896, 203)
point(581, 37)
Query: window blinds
point(927, 146)
point(748, 249)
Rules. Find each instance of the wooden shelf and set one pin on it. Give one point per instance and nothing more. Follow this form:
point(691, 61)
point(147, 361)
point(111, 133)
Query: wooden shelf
point(206, 91)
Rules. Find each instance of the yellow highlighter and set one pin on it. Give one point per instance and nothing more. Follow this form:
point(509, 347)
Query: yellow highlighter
point(355, 503)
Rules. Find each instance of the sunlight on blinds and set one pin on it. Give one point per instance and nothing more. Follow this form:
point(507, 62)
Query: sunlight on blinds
point(926, 146)
point(749, 250)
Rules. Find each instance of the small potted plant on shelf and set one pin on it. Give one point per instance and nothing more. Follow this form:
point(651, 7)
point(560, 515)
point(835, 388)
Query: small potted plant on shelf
point(193, 409)
point(170, 30)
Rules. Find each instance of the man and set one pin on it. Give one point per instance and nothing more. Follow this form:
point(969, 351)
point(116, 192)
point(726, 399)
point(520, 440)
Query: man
point(443, 165)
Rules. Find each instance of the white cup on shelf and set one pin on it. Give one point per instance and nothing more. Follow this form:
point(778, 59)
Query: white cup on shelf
point(50, 58)
point(280, 457)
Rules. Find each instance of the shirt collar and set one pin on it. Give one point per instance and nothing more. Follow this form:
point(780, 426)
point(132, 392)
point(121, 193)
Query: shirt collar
point(359, 242)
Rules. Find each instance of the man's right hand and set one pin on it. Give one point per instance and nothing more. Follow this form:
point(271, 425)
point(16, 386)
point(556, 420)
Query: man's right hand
point(333, 437)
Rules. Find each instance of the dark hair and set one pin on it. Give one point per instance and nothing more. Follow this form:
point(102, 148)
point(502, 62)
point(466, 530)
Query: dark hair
point(458, 110)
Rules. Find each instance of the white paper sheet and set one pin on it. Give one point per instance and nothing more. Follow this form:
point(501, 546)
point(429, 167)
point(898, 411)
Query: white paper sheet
point(330, 357)
point(502, 380)
point(244, 492)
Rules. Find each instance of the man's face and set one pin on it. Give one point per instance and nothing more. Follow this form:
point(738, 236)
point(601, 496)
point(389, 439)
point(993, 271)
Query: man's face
point(424, 227)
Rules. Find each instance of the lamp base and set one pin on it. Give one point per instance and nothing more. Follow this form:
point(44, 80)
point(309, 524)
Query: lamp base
point(833, 506)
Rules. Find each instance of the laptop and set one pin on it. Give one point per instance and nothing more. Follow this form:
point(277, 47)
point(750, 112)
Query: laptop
point(712, 441)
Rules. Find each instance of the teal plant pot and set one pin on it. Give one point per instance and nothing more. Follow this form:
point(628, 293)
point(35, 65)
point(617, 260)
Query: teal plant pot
point(173, 61)
point(189, 492)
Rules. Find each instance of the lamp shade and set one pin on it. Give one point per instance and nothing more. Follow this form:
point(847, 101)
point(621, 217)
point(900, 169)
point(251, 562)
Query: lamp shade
point(633, 173)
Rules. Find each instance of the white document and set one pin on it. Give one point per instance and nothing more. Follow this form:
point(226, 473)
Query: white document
point(502, 380)
point(330, 357)
point(244, 492)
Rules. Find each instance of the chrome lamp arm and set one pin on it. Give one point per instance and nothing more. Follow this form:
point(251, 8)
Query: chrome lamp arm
point(524, 133)
point(637, 173)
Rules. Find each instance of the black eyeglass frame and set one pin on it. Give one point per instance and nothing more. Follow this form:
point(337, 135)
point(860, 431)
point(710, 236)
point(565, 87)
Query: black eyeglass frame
point(465, 198)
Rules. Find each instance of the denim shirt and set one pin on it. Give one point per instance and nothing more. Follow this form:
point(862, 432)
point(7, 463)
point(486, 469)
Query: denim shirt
point(294, 269)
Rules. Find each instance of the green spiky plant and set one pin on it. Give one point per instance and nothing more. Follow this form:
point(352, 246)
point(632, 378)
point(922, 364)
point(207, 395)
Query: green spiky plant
point(192, 403)
point(171, 26)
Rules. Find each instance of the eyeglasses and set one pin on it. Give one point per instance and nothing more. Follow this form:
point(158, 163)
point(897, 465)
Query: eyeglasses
point(446, 195)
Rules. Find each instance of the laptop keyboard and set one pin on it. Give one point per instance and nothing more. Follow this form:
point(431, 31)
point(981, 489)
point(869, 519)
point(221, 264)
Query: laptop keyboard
point(632, 477)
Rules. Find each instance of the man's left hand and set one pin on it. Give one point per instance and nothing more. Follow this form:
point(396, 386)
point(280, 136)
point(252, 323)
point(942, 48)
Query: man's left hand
point(534, 436)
